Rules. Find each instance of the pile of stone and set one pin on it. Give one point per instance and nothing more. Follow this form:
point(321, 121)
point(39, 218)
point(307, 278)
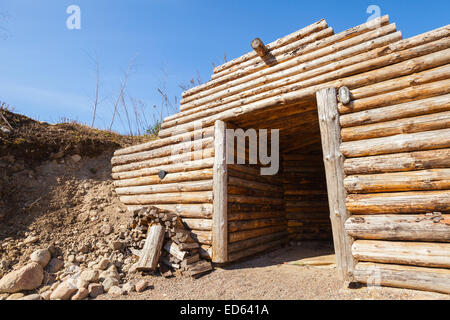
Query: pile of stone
point(47, 277)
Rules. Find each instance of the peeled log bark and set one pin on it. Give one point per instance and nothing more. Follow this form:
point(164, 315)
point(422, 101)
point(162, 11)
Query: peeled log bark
point(418, 278)
point(429, 122)
point(204, 185)
point(172, 168)
point(148, 260)
point(408, 94)
point(434, 179)
point(436, 139)
point(204, 174)
point(203, 210)
point(409, 253)
point(397, 111)
point(204, 133)
point(399, 227)
point(399, 202)
point(180, 197)
point(169, 150)
point(199, 224)
point(409, 161)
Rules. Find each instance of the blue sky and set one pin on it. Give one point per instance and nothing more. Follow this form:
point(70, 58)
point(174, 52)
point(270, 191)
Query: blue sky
point(47, 73)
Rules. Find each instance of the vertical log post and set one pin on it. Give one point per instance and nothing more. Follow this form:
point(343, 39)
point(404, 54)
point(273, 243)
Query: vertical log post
point(330, 131)
point(220, 203)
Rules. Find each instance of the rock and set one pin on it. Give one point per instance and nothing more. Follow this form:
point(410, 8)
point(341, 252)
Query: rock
point(34, 296)
point(118, 245)
point(95, 290)
point(41, 256)
point(106, 229)
point(115, 290)
point(64, 291)
point(82, 284)
point(103, 264)
point(54, 251)
point(89, 275)
point(129, 287)
point(26, 278)
point(31, 239)
point(109, 283)
point(142, 285)
point(76, 158)
point(55, 265)
point(81, 294)
point(84, 248)
point(46, 295)
point(15, 296)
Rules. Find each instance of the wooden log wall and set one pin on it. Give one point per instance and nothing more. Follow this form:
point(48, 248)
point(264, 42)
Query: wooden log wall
point(186, 189)
point(305, 195)
point(396, 142)
point(256, 216)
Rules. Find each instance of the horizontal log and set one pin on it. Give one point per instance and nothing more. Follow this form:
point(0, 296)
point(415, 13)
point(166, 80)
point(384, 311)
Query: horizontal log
point(158, 143)
point(174, 159)
point(203, 210)
point(203, 185)
point(233, 181)
point(233, 256)
point(433, 179)
point(418, 278)
point(255, 192)
point(399, 227)
point(245, 244)
point(172, 168)
point(436, 139)
point(248, 234)
point(253, 200)
point(310, 236)
point(203, 237)
point(398, 111)
point(239, 216)
point(398, 162)
point(178, 197)
point(324, 215)
point(399, 202)
point(234, 226)
point(410, 253)
point(170, 177)
point(428, 122)
point(169, 150)
point(174, 250)
point(310, 223)
point(198, 224)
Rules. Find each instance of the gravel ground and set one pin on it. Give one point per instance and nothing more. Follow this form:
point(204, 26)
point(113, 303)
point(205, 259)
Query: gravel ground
point(269, 277)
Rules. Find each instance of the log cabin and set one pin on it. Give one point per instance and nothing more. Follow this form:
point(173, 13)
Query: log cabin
point(363, 119)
